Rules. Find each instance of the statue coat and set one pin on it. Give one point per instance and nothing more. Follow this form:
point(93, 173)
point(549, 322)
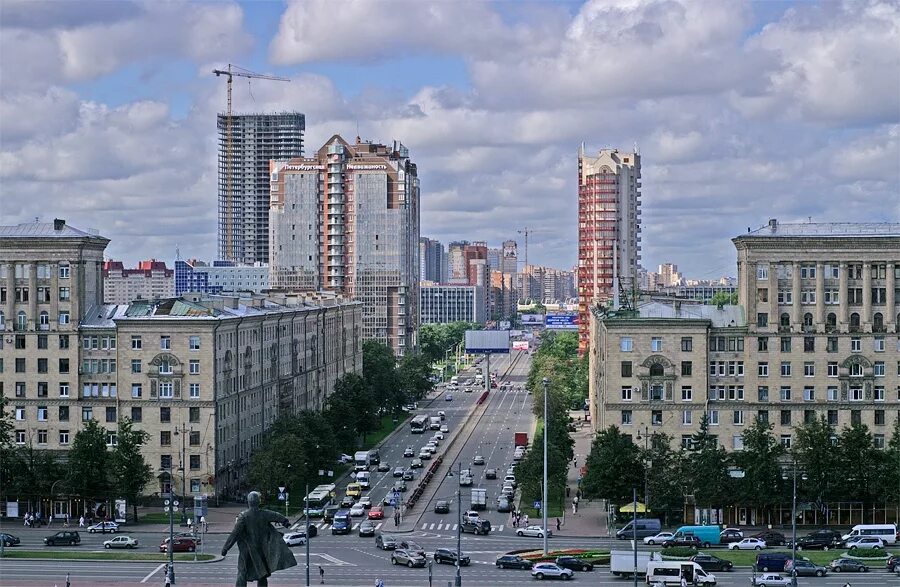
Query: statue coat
point(262, 548)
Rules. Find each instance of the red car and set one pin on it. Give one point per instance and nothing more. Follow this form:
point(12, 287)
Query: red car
point(376, 513)
point(181, 545)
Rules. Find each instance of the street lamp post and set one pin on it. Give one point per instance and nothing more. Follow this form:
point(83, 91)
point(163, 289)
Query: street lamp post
point(544, 503)
point(793, 465)
point(171, 505)
point(183, 433)
point(647, 464)
point(458, 523)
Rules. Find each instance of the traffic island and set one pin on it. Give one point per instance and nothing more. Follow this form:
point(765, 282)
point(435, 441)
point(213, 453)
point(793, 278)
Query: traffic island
point(592, 557)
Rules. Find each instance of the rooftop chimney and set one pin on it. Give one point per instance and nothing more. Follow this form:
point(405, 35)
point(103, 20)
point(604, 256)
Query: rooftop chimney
point(58, 224)
point(773, 224)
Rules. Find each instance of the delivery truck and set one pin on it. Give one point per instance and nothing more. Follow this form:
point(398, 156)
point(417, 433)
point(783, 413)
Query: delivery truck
point(361, 461)
point(621, 562)
point(479, 498)
point(521, 439)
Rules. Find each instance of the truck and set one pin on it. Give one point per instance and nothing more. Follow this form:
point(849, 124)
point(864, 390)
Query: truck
point(435, 422)
point(479, 498)
point(621, 562)
point(708, 535)
point(361, 460)
point(521, 439)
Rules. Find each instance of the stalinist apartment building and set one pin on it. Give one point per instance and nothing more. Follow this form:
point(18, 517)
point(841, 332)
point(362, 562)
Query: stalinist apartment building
point(815, 335)
point(209, 373)
point(347, 221)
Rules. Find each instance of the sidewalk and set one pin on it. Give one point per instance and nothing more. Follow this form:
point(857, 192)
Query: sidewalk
point(591, 519)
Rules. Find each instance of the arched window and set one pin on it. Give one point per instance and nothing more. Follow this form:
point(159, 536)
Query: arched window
point(878, 322)
point(784, 322)
point(45, 320)
point(854, 322)
point(656, 370)
point(807, 322)
point(21, 320)
point(831, 322)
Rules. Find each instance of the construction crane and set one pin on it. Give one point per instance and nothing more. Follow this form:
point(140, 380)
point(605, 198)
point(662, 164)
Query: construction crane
point(229, 73)
point(526, 231)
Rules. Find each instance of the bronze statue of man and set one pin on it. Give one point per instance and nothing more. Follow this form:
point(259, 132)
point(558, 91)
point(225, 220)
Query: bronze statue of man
point(262, 548)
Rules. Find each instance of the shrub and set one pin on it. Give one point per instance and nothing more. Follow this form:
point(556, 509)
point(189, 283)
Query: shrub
point(679, 552)
point(875, 553)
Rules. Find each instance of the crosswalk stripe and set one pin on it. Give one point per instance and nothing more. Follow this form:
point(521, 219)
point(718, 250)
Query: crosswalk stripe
point(378, 525)
point(454, 526)
point(424, 526)
point(500, 529)
point(355, 526)
point(432, 527)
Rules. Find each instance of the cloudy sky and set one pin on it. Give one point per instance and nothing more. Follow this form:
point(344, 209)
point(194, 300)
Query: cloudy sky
point(742, 111)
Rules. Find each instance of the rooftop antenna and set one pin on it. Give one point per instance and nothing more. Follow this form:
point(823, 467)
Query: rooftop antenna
point(37, 219)
point(177, 253)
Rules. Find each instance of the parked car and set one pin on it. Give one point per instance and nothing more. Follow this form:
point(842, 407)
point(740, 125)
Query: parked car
point(805, 568)
point(770, 580)
point(710, 562)
point(121, 542)
point(823, 539)
point(111, 527)
point(770, 537)
point(893, 563)
point(533, 531)
point(385, 542)
point(658, 538)
point(490, 473)
point(367, 528)
point(178, 545)
point(512, 561)
point(442, 507)
point(411, 546)
point(747, 544)
point(447, 555)
point(551, 571)
point(689, 541)
point(574, 563)
point(294, 538)
point(771, 561)
point(852, 565)
point(729, 535)
point(9, 539)
point(376, 513)
point(408, 558)
point(70, 537)
point(861, 542)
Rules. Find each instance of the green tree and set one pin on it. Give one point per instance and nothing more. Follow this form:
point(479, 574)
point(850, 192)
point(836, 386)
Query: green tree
point(281, 462)
point(662, 466)
point(724, 299)
point(413, 374)
point(761, 485)
point(89, 462)
point(352, 411)
point(380, 371)
point(7, 469)
point(707, 464)
point(130, 472)
point(816, 455)
point(890, 469)
point(614, 467)
point(860, 464)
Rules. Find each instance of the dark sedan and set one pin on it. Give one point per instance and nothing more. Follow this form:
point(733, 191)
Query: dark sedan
point(442, 507)
point(688, 541)
point(709, 562)
point(446, 555)
point(513, 561)
point(851, 565)
point(771, 537)
point(893, 563)
point(730, 535)
point(574, 563)
point(9, 540)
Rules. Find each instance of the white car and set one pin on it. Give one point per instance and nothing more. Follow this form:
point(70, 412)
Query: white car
point(424, 454)
point(365, 501)
point(294, 538)
point(345, 458)
point(658, 538)
point(472, 516)
point(445, 429)
point(747, 544)
point(551, 570)
point(358, 510)
point(533, 531)
point(439, 435)
point(110, 527)
point(121, 542)
point(864, 542)
point(770, 580)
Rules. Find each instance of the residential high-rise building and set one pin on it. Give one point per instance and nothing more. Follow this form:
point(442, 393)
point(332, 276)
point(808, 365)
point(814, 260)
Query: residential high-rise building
point(669, 275)
point(347, 220)
point(503, 296)
point(151, 280)
point(431, 260)
point(493, 258)
point(457, 263)
point(442, 303)
point(509, 261)
point(243, 234)
point(220, 277)
point(609, 226)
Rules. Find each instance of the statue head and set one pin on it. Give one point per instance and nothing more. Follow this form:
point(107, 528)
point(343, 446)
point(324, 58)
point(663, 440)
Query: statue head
point(253, 499)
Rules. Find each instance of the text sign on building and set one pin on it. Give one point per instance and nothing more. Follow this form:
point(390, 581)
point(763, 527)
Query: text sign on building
point(487, 342)
point(532, 319)
point(566, 321)
point(520, 345)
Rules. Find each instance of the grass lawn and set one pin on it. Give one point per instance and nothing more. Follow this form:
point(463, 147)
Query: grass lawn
point(158, 518)
point(106, 555)
point(385, 427)
point(556, 506)
point(747, 558)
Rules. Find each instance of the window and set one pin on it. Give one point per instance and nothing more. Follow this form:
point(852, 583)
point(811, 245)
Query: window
point(194, 343)
point(626, 368)
point(87, 413)
point(194, 438)
point(809, 416)
point(687, 393)
point(763, 393)
point(42, 366)
point(809, 344)
point(63, 413)
point(878, 392)
point(762, 416)
point(832, 297)
point(855, 417)
point(42, 437)
point(63, 341)
point(194, 390)
point(878, 440)
point(165, 367)
point(20, 364)
point(42, 342)
point(833, 417)
point(762, 294)
point(165, 438)
point(686, 441)
point(42, 413)
point(626, 393)
point(762, 344)
point(165, 389)
point(713, 416)
point(809, 394)
point(112, 438)
point(762, 320)
point(854, 296)
point(20, 437)
point(856, 394)
point(193, 414)
point(626, 417)
point(878, 369)
point(807, 271)
point(785, 344)
point(165, 462)
point(686, 417)
point(736, 368)
point(785, 296)
point(686, 368)
point(136, 390)
point(20, 389)
point(136, 344)
point(687, 344)
point(879, 418)
point(856, 370)
point(762, 369)
point(110, 413)
point(195, 462)
point(762, 271)
point(20, 413)
point(737, 417)
point(736, 392)
point(137, 414)
point(809, 369)
point(165, 414)
point(656, 417)
point(195, 483)
point(832, 369)
point(165, 343)
point(44, 321)
point(785, 368)
point(785, 393)
point(831, 345)
point(626, 344)
point(878, 344)
point(785, 417)
point(64, 437)
point(656, 344)
point(63, 271)
point(135, 365)
point(832, 394)
point(63, 317)
point(808, 296)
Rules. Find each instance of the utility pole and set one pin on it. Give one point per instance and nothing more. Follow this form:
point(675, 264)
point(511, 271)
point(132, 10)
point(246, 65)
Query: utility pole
point(184, 431)
point(634, 531)
point(545, 504)
point(458, 522)
point(306, 530)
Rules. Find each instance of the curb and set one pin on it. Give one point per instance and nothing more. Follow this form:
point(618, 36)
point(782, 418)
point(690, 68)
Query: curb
point(215, 559)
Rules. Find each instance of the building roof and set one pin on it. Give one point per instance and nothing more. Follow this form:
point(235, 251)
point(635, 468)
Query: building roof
point(825, 229)
point(720, 316)
point(44, 230)
point(103, 315)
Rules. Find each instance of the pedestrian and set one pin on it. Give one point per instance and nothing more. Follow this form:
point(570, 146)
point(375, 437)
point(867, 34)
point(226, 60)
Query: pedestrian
point(66, 520)
point(568, 491)
point(526, 520)
point(321, 574)
point(575, 462)
point(683, 580)
point(203, 523)
point(558, 524)
point(574, 508)
point(81, 521)
point(49, 520)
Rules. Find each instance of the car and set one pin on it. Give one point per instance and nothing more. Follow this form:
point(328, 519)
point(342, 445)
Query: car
point(510, 478)
point(863, 542)
point(508, 491)
point(409, 475)
point(805, 568)
point(447, 555)
point(551, 571)
point(448, 397)
point(442, 507)
point(357, 510)
point(445, 429)
point(383, 467)
point(478, 460)
point(729, 535)
point(431, 447)
point(852, 565)
point(533, 531)
point(328, 513)
point(424, 454)
point(345, 458)
point(405, 557)
point(893, 563)
point(823, 539)
point(347, 502)
point(367, 528)
point(178, 545)
point(411, 546)
point(771, 537)
point(121, 542)
point(190, 536)
point(689, 541)
point(465, 480)
point(490, 473)
point(770, 580)
point(385, 542)
point(437, 436)
point(103, 527)
point(415, 464)
point(294, 538)
point(472, 516)
point(771, 561)
point(409, 452)
point(504, 504)
point(512, 561)
point(658, 538)
point(747, 544)
point(477, 527)
point(70, 537)
point(398, 471)
point(9, 539)
point(366, 501)
point(399, 485)
point(710, 562)
point(354, 490)
point(376, 513)
point(574, 563)
point(435, 440)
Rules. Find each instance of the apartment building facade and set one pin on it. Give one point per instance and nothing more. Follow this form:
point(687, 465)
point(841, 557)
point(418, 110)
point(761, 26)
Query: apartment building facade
point(220, 277)
point(432, 260)
point(150, 280)
point(815, 335)
point(444, 303)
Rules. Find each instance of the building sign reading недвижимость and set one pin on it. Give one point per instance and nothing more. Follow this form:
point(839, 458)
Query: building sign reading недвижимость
point(367, 167)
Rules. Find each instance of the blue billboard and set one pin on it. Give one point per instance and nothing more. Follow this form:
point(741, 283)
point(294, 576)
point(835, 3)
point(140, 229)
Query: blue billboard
point(566, 321)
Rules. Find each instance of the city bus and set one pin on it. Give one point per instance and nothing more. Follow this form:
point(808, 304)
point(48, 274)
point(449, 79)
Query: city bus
point(320, 498)
point(418, 425)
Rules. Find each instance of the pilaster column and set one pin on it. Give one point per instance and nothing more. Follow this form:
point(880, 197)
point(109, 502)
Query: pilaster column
point(820, 297)
point(10, 295)
point(773, 296)
point(76, 292)
point(890, 319)
point(865, 318)
point(31, 270)
point(54, 296)
point(843, 313)
point(796, 315)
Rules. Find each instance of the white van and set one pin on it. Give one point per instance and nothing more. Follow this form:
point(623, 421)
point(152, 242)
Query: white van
point(454, 381)
point(363, 479)
point(670, 572)
point(887, 532)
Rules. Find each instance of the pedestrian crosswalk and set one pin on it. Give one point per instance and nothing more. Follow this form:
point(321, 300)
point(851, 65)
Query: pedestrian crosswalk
point(327, 526)
point(453, 527)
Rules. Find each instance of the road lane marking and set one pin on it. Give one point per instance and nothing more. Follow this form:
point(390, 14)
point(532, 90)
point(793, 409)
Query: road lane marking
point(153, 572)
point(424, 526)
